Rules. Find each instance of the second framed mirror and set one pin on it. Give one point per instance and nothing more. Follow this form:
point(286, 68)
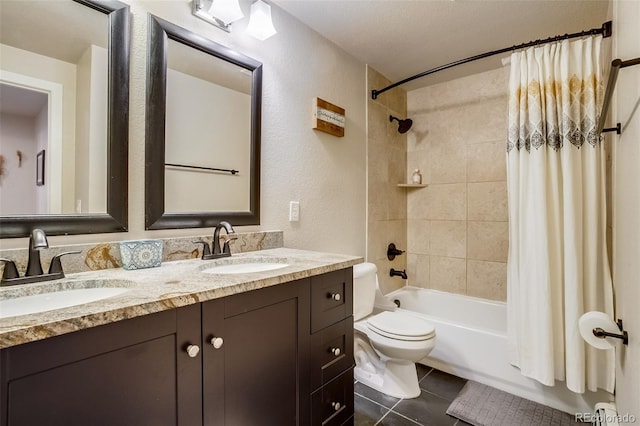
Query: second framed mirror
point(203, 124)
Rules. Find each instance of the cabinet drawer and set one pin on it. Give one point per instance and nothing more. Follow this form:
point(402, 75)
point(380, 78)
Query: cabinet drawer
point(333, 403)
point(331, 352)
point(331, 298)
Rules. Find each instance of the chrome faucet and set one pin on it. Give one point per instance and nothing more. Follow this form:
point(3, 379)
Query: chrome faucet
point(216, 252)
point(34, 272)
point(37, 241)
point(226, 250)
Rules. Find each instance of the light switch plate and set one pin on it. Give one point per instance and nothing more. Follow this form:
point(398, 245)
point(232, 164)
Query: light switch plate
point(294, 211)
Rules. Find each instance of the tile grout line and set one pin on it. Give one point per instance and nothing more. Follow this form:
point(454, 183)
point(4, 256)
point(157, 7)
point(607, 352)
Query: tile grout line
point(435, 394)
point(425, 376)
point(377, 403)
point(404, 417)
point(396, 413)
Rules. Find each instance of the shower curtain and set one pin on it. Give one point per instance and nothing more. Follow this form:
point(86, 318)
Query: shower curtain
point(558, 265)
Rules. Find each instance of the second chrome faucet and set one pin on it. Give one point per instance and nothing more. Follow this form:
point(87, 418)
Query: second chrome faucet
point(216, 251)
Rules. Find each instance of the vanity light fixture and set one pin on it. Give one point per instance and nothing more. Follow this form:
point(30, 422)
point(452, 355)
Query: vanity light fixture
point(226, 10)
point(260, 23)
point(222, 13)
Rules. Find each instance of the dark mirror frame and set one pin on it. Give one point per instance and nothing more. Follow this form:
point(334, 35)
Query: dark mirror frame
point(115, 220)
point(160, 31)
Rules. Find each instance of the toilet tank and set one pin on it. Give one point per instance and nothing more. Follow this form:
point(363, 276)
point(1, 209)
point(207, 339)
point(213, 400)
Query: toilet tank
point(364, 289)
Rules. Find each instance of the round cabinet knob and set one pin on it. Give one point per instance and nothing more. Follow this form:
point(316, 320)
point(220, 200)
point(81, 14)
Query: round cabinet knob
point(336, 406)
point(336, 296)
point(217, 342)
point(193, 350)
point(336, 351)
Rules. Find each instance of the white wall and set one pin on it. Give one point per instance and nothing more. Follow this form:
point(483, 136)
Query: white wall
point(83, 126)
point(215, 134)
point(326, 174)
point(18, 182)
point(42, 193)
point(626, 172)
point(91, 133)
point(52, 70)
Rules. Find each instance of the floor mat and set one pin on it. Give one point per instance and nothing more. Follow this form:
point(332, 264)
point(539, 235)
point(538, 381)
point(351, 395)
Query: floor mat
point(482, 405)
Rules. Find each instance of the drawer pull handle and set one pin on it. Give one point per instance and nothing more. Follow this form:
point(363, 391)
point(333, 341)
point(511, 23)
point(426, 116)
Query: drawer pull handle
point(336, 351)
point(217, 342)
point(335, 296)
point(336, 406)
point(193, 350)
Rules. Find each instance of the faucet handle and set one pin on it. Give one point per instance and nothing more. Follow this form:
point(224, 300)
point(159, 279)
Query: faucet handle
point(206, 250)
point(226, 248)
point(10, 270)
point(56, 265)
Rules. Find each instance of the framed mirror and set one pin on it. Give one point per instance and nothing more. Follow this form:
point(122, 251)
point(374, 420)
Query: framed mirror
point(202, 131)
point(64, 82)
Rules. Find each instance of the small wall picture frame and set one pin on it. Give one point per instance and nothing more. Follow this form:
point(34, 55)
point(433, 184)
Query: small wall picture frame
point(328, 118)
point(40, 168)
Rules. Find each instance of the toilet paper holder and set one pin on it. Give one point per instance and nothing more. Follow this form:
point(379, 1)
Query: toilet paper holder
point(600, 333)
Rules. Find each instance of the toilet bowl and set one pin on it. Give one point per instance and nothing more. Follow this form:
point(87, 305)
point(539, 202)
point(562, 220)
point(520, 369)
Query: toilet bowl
point(388, 343)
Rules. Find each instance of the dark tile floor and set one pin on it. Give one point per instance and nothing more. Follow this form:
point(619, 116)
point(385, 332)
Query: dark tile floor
point(439, 389)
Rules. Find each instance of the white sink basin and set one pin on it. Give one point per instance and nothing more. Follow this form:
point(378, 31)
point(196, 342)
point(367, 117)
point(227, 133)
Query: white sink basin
point(36, 303)
point(245, 268)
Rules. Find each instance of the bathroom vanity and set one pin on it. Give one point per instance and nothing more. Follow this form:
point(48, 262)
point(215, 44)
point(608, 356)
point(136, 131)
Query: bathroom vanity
point(266, 348)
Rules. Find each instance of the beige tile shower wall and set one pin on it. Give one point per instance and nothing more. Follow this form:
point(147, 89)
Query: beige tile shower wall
point(386, 167)
point(457, 226)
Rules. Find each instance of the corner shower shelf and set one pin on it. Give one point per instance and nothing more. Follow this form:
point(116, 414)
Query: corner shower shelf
point(412, 185)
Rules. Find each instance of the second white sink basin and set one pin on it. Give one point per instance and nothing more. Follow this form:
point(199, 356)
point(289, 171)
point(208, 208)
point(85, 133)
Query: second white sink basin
point(245, 268)
point(36, 303)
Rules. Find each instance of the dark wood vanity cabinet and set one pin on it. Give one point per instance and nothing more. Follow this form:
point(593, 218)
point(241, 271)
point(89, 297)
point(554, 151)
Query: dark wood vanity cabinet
point(255, 353)
point(264, 357)
point(124, 373)
point(332, 348)
point(286, 354)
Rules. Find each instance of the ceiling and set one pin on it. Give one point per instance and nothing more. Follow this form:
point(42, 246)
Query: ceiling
point(61, 30)
point(401, 38)
point(20, 101)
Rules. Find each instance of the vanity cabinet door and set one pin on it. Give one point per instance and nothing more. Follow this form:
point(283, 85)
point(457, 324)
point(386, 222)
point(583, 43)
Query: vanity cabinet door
point(125, 373)
point(256, 357)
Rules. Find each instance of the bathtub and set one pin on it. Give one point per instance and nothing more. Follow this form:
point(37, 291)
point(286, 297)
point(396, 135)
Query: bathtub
point(471, 342)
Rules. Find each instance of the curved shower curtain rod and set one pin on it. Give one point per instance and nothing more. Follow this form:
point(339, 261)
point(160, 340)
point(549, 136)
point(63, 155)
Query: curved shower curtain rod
point(605, 30)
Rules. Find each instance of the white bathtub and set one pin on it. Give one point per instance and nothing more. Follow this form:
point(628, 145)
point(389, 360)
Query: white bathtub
point(471, 342)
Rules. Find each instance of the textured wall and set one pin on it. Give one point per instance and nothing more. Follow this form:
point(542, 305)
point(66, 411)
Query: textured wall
point(326, 174)
point(457, 230)
point(626, 247)
point(386, 166)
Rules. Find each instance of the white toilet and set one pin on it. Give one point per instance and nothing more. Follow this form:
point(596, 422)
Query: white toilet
point(389, 343)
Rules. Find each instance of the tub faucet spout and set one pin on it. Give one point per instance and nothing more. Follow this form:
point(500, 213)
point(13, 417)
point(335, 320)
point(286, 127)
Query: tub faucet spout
point(394, 273)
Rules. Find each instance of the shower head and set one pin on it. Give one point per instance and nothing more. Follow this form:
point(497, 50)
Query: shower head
point(403, 125)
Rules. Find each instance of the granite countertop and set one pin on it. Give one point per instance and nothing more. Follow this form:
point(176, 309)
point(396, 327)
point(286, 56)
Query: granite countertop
point(169, 286)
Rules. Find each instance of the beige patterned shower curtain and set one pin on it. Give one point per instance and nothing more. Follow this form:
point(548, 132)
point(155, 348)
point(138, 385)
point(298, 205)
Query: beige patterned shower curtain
point(558, 265)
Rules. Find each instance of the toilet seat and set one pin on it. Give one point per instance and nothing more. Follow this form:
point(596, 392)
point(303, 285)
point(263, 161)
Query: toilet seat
point(400, 326)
